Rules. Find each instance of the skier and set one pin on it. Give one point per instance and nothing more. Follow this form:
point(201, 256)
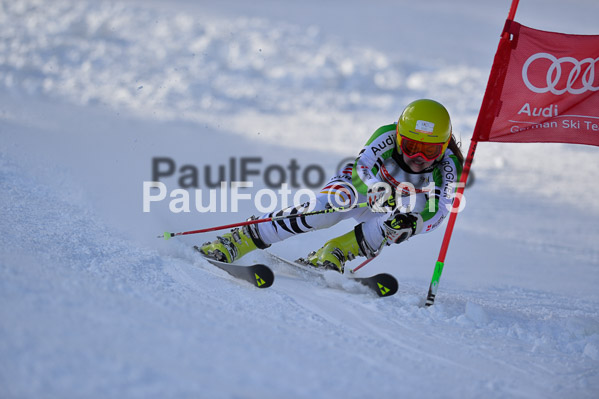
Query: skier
point(407, 173)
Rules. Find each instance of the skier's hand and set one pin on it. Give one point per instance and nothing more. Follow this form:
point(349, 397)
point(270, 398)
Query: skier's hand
point(379, 197)
point(402, 226)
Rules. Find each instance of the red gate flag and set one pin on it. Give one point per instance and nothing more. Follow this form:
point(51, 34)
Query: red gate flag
point(543, 87)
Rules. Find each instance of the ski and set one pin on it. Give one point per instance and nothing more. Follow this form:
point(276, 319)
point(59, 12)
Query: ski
point(382, 284)
point(257, 274)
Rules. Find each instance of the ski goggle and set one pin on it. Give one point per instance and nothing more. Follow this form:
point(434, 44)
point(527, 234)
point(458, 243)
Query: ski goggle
point(429, 151)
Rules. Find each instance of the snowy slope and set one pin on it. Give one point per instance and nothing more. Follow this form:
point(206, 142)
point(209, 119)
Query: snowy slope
point(93, 305)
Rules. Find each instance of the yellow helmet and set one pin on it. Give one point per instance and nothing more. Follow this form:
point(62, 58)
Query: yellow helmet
point(424, 128)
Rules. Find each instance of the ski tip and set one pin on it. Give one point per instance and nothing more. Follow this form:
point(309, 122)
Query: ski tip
point(264, 276)
point(386, 285)
point(382, 284)
point(258, 274)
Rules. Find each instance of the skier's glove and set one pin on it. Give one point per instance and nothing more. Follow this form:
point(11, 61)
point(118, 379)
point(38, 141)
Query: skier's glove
point(402, 226)
point(380, 198)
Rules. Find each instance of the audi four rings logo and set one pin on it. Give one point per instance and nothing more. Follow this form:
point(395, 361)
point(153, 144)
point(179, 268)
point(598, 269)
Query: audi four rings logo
point(585, 70)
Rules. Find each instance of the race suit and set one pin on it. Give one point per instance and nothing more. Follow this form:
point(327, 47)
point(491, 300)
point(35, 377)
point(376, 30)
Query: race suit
point(429, 193)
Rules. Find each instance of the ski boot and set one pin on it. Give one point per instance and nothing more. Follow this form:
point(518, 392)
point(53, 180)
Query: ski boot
point(337, 251)
point(232, 246)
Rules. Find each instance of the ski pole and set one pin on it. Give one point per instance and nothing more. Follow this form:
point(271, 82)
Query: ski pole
point(367, 261)
point(361, 265)
point(168, 235)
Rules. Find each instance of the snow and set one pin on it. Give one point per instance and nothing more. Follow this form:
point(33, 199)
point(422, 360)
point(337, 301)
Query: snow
point(93, 305)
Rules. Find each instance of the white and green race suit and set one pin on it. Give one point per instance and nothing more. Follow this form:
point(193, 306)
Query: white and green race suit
point(429, 193)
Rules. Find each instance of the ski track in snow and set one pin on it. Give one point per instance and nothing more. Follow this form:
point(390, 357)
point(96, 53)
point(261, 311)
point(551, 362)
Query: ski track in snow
point(90, 307)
